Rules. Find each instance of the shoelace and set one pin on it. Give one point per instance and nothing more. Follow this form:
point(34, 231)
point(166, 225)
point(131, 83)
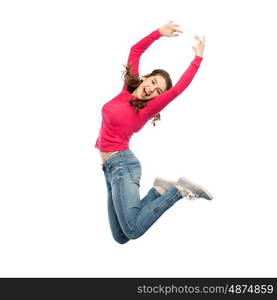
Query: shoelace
point(191, 196)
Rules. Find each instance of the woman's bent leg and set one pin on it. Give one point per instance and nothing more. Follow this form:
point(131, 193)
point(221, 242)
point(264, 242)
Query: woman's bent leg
point(135, 218)
point(149, 197)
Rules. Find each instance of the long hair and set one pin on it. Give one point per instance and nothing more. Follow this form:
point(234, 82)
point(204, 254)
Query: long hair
point(132, 81)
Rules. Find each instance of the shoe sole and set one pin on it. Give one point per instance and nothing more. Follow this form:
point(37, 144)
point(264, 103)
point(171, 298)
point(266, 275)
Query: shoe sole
point(199, 186)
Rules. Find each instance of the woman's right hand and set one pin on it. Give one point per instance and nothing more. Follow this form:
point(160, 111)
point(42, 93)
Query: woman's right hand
point(199, 48)
point(170, 29)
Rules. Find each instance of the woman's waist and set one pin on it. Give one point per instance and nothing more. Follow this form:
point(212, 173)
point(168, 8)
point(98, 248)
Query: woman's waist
point(126, 154)
point(105, 155)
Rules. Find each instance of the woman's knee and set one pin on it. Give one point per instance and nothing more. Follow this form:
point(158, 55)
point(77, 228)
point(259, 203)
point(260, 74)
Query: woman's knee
point(132, 234)
point(120, 239)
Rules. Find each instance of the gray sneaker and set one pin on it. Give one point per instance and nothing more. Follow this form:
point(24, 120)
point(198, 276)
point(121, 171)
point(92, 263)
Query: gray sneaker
point(197, 190)
point(164, 183)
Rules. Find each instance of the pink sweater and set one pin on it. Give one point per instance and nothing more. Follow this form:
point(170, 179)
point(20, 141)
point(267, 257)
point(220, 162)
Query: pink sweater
point(120, 120)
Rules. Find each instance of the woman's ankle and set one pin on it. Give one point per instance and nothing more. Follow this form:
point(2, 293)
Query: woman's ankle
point(182, 190)
point(159, 189)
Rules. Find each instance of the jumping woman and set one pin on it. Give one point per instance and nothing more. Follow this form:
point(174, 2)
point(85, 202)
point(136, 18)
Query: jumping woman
point(141, 99)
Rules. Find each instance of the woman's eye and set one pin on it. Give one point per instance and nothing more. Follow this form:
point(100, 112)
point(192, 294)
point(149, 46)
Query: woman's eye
point(153, 81)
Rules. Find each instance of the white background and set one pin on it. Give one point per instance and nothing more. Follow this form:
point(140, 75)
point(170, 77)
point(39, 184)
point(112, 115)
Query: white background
point(60, 61)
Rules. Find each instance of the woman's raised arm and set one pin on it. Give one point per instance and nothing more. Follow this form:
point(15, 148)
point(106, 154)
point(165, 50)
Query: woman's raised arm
point(137, 50)
point(155, 105)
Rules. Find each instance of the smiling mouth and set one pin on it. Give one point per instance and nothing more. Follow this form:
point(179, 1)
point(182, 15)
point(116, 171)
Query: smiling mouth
point(145, 93)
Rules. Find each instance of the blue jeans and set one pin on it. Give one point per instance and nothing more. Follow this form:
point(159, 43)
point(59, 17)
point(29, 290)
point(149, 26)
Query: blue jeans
point(129, 216)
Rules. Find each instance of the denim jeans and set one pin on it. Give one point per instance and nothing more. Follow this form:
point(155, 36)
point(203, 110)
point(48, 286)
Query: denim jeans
point(129, 216)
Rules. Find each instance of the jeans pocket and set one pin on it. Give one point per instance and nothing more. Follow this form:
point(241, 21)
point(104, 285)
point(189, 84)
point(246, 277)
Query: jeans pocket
point(134, 169)
point(115, 170)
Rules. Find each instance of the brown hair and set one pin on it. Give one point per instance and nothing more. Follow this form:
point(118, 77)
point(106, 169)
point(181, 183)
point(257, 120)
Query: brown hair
point(132, 81)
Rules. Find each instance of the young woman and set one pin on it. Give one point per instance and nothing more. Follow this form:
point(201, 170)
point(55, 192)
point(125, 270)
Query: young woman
point(140, 100)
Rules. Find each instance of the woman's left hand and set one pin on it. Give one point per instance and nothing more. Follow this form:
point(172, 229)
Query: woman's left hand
point(169, 29)
point(199, 48)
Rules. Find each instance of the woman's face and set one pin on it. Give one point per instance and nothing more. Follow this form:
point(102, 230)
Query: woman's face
point(150, 87)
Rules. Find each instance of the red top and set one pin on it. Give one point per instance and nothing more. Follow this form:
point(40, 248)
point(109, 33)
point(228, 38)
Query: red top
point(119, 118)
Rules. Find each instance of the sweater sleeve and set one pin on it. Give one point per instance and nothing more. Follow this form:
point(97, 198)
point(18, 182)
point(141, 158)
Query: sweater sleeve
point(137, 50)
point(155, 105)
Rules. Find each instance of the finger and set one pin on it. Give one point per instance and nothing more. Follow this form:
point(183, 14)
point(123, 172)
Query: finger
point(172, 24)
point(199, 39)
point(175, 25)
point(202, 39)
point(177, 29)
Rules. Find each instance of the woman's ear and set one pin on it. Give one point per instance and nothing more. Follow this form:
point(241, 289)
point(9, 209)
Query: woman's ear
point(142, 78)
